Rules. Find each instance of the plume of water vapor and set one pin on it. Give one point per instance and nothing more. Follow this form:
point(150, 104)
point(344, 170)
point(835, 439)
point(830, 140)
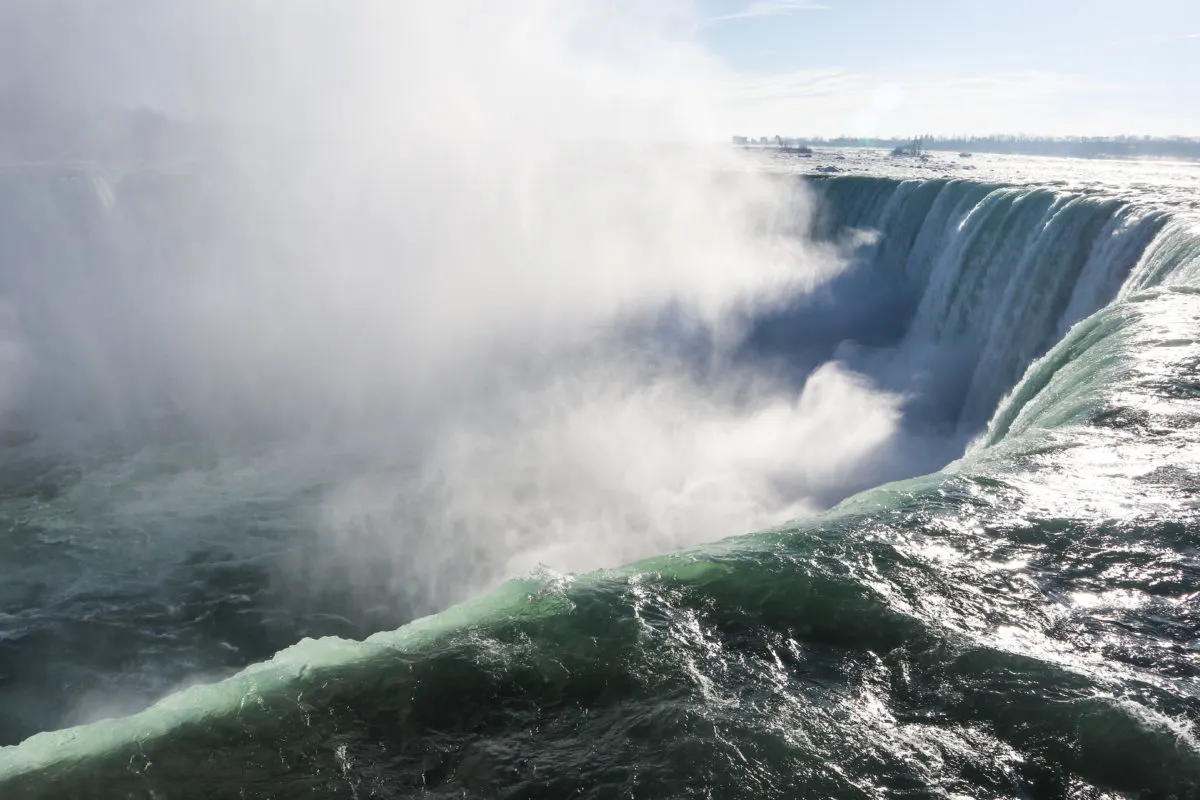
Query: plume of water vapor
point(398, 243)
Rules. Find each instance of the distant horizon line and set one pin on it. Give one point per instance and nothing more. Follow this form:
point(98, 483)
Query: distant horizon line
point(1014, 137)
point(1121, 146)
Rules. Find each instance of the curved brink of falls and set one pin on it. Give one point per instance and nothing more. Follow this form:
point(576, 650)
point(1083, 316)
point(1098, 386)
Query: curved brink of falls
point(1020, 623)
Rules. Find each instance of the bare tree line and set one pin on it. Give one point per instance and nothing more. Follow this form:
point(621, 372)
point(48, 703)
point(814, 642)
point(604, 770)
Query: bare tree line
point(1066, 146)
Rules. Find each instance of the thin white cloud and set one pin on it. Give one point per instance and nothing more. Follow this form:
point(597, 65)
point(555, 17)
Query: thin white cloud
point(772, 8)
point(836, 101)
point(790, 85)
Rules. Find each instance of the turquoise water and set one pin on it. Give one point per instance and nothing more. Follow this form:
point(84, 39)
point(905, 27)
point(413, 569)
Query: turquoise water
point(1020, 623)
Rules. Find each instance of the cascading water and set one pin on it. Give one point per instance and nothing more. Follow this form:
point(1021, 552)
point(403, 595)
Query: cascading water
point(1020, 623)
point(999, 273)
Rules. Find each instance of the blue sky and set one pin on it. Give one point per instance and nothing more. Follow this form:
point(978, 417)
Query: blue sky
point(882, 67)
point(792, 67)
